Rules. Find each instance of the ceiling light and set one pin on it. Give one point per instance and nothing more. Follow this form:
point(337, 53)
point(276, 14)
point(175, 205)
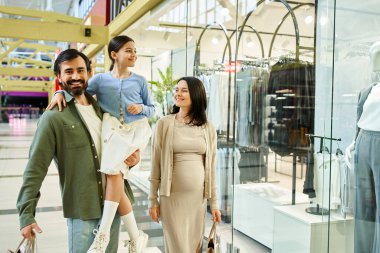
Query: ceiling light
point(215, 40)
point(249, 41)
point(225, 12)
point(162, 29)
point(309, 19)
point(308, 15)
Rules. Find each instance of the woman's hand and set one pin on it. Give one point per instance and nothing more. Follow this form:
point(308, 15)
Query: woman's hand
point(216, 215)
point(58, 99)
point(154, 213)
point(135, 109)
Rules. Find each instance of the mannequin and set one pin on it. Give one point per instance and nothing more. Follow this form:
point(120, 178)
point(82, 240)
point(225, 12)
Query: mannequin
point(367, 163)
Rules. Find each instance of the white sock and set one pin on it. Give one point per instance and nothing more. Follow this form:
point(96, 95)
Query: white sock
point(129, 223)
point(109, 211)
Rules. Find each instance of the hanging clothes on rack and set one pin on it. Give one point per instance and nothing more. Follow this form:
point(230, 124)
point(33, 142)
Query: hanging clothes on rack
point(323, 163)
point(347, 186)
point(329, 192)
point(227, 168)
point(253, 164)
point(308, 185)
point(206, 83)
point(291, 91)
point(251, 89)
point(217, 109)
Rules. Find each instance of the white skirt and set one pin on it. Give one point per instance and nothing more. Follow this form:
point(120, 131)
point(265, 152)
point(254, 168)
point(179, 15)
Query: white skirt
point(119, 141)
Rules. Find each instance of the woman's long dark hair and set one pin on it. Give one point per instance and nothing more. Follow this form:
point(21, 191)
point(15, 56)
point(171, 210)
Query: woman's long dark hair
point(115, 45)
point(197, 113)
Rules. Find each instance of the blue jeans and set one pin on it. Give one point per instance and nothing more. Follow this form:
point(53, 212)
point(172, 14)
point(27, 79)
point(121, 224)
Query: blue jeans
point(81, 235)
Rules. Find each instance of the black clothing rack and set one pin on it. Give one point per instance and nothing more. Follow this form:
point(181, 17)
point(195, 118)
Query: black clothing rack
point(320, 210)
point(322, 140)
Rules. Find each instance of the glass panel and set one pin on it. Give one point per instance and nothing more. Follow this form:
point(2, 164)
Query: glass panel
point(277, 95)
point(355, 68)
point(274, 90)
point(207, 39)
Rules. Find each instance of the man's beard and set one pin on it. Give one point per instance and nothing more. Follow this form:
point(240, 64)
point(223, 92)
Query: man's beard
point(78, 90)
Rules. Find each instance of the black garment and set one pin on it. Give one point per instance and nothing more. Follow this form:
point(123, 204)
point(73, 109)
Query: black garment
point(308, 185)
point(292, 89)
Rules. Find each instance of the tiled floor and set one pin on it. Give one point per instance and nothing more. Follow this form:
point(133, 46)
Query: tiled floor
point(15, 138)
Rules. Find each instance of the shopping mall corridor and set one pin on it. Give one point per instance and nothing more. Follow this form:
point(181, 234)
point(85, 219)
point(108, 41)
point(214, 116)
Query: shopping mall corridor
point(15, 139)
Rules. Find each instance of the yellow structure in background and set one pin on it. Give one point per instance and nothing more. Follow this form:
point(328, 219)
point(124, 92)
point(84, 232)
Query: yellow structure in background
point(16, 72)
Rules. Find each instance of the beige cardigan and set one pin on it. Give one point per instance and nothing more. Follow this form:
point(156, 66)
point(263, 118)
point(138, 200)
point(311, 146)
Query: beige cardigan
point(162, 161)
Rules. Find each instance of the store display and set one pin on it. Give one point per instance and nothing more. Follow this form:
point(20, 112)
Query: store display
point(291, 91)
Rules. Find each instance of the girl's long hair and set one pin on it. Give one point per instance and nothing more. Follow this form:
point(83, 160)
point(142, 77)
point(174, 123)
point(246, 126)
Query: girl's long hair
point(115, 45)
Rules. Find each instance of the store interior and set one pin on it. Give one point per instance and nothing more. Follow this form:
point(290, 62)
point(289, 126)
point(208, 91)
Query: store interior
point(264, 173)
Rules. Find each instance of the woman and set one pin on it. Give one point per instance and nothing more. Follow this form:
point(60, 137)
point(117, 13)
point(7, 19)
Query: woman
point(183, 169)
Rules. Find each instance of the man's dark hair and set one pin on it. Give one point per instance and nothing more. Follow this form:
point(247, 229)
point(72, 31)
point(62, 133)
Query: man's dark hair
point(198, 98)
point(68, 55)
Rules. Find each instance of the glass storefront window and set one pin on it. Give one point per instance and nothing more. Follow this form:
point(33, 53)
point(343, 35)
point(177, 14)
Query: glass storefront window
point(344, 70)
point(282, 81)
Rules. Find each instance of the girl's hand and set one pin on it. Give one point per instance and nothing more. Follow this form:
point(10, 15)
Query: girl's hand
point(135, 108)
point(58, 99)
point(133, 159)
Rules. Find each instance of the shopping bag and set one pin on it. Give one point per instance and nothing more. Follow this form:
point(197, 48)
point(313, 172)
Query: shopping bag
point(26, 246)
point(212, 242)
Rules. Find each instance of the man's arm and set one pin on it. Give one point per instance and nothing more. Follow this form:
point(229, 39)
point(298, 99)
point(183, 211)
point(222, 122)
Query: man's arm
point(40, 156)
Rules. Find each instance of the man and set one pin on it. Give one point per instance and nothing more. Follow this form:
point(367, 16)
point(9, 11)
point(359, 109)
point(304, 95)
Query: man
point(72, 139)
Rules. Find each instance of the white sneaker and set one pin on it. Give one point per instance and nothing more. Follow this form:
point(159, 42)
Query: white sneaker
point(137, 245)
point(100, 243)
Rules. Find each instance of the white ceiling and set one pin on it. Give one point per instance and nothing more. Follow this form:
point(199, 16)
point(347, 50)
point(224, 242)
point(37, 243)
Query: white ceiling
point(265, 19)
point(60, 6)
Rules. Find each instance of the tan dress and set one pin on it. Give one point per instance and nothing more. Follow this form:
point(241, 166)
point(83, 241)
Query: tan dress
point(183, 212)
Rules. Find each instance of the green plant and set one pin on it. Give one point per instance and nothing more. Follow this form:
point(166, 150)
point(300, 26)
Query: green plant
point(163, 90)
